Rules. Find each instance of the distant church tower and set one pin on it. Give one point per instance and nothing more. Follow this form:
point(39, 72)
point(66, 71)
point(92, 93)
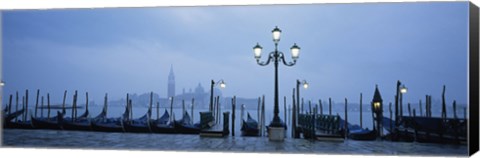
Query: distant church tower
point(171, 83)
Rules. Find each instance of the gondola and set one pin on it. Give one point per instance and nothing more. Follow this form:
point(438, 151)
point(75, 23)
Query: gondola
point(163, 124)
point(81, 123)
point(19, 124)
point(185, 126)
point(139, 125)
point(9, 117)
point(356, 132)
point(46, 122)
point(250, 127)
point(101, 123)
point(362, 134)
point(433, 130)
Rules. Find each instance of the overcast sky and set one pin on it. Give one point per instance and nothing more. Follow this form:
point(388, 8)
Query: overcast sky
point(345, 50)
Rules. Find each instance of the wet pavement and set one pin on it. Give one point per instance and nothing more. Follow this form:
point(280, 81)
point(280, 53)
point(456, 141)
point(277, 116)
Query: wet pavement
point(178, 142)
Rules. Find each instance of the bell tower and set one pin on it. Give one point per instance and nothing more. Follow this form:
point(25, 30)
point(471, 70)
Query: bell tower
point(171, 83)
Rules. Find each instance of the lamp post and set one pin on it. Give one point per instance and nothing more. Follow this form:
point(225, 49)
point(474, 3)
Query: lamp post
point(403, 90)
point(276, 56)
point(295, 107)
point(222, 85)
point(377, 107)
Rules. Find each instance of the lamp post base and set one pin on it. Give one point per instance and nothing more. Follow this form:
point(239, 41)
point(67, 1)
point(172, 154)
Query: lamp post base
point(276, 133)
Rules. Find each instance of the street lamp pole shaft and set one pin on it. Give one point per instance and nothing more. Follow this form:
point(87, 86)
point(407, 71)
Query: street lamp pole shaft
point(276, 120)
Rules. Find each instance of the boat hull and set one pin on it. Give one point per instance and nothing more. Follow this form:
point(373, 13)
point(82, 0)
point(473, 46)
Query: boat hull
point(136, 128)
point(162, 128)
point(18, 125)
point(185, 129)
point(106, 127)
point(44, 123)
point(77, 126)
point(362, 135)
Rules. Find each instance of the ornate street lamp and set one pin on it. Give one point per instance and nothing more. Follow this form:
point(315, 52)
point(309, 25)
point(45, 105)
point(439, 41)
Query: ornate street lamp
point(295, 107)
point(276, 56)
point(377, 108)
point(222, 85)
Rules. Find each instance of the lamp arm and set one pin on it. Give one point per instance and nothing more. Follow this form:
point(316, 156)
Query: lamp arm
point(218, 82)
point(270, 58)
point(285, 62)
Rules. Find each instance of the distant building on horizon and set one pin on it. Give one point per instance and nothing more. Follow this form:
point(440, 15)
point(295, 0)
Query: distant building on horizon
point(200, 95)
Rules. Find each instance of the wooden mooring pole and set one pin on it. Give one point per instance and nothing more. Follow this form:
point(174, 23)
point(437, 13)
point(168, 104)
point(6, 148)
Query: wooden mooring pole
point(16, 104)
point(444, 105)
point(10, 105)
point(321, 107)
point(302, 111)
point(310, 106)
point(158, 110)
point(218, 109)
point(192, 108)
point(26, 105)
point(234, 102)
point(64, 111)
point(258, 111)
point(171, 109)
point(454, 109)
point(285, 109)
point(294, 116)
point(420, 107)
point(74, 108)
point(391, 122)
point(23, 107)
point(330, 106)
point(415, 129)
point(361, 111)
point(346, 119)
point(263, 115)
point(409, 111)
point(36, 102)
point(48, 104)
point(86, 102)
point(41, 110)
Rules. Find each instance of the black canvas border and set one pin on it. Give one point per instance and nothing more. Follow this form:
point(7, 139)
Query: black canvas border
point(473, 80)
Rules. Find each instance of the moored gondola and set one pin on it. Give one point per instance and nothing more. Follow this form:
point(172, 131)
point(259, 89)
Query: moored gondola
point(250, 127)
point(185, 126)
point(9, 117)
point(81, 123)
point(101, 123)
point(47, 122)
point(139, 125)
point(163, 124)
point(8, 120)
point(19, 124)
point(362, 134)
